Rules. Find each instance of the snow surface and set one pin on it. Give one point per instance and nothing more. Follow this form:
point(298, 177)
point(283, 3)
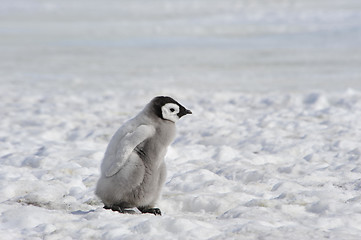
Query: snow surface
point(242, 166)
point(271, 151)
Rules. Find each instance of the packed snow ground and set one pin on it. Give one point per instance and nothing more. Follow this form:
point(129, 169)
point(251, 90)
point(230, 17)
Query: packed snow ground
point(243, 166)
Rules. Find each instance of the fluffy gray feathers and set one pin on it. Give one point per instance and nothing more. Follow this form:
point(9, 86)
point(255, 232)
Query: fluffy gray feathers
point(133, 169)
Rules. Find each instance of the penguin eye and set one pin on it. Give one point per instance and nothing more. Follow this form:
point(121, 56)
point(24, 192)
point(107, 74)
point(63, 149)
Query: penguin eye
point(172, 109)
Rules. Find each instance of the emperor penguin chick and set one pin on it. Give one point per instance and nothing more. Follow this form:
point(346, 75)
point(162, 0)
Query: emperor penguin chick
point(133, 170)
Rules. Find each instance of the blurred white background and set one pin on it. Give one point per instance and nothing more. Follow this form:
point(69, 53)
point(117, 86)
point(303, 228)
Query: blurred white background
point(243, 45)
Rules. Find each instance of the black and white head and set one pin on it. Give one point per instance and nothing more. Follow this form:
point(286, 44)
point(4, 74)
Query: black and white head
point(169, 109)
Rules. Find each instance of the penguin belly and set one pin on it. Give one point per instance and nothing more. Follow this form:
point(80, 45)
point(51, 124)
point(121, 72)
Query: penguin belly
point(117, 189)
point(148, 191)
point(135, 185)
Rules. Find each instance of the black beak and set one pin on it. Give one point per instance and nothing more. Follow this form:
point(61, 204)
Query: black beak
point(184, 111)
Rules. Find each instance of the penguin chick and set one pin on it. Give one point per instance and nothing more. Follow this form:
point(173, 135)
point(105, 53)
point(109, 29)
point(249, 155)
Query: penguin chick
point(133, 170)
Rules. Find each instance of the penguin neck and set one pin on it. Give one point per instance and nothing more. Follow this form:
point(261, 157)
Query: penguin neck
point(166, 132)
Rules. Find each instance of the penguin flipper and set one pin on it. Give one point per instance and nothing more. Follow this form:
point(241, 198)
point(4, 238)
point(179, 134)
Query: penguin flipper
point(126, 146)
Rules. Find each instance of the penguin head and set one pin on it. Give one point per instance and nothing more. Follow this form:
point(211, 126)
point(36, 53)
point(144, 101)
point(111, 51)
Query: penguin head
point(169, 109)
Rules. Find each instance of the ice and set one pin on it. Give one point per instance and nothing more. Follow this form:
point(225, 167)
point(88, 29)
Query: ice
point(271, 151)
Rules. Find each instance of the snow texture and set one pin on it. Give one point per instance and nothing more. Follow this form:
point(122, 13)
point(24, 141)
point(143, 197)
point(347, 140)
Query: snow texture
point(271, 151)
point(267, 165)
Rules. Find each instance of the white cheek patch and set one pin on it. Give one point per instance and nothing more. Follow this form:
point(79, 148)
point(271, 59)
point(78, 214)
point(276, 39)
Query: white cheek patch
point(170, 112)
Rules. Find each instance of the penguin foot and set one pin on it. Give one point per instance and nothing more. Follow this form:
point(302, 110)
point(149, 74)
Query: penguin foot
point(120, 210)
point(155, 211)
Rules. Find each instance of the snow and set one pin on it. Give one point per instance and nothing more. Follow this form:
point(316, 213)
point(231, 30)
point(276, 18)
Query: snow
point(271, 151)
point(261, 165)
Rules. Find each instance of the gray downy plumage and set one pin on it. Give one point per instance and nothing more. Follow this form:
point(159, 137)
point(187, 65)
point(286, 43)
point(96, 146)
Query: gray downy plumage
point(133, 170)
